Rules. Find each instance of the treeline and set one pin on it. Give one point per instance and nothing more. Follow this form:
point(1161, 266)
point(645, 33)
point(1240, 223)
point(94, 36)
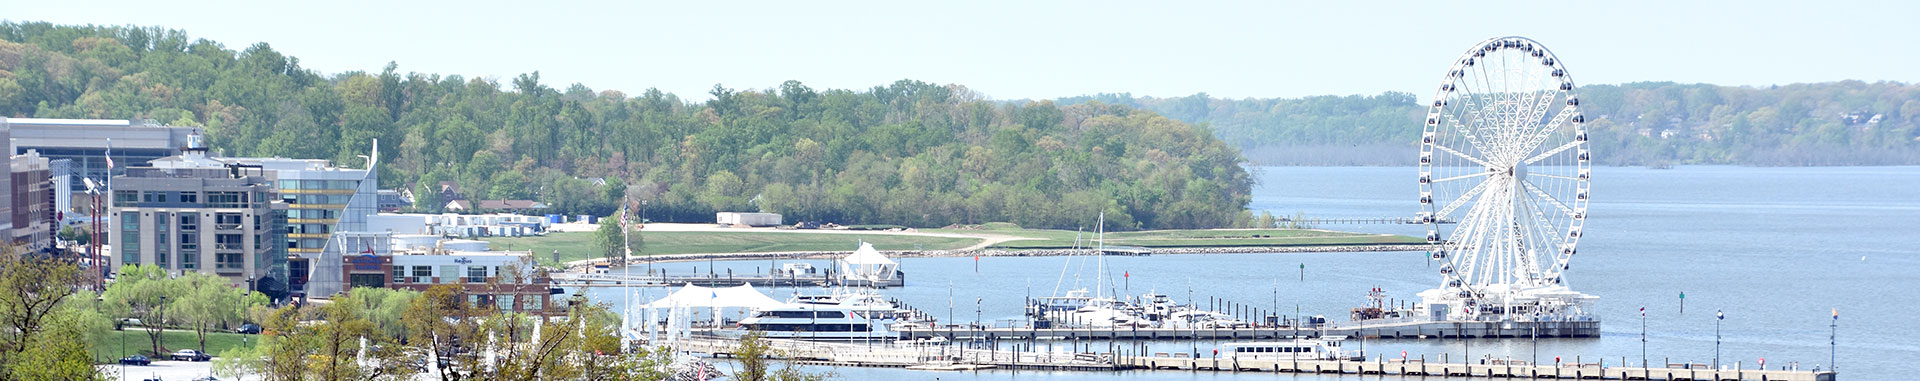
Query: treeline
point(1648, 123)
point(908, 153)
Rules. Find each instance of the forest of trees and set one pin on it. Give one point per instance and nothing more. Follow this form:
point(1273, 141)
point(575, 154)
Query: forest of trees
point(907, 153)
point(1648, 123)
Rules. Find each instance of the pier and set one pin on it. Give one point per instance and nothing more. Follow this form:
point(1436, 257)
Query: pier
point(612, 279)
point(1383, 330)
point(946, 356)
point(1598, 370)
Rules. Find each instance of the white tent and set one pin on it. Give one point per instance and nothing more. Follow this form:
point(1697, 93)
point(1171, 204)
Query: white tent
point(742, 296)
point(868, 264)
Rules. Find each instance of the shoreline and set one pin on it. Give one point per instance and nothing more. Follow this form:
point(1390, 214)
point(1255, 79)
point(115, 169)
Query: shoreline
point(669, 258)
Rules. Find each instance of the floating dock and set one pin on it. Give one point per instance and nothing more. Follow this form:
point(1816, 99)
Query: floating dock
point(1381, 330)
point(947, 357)
point(568, 279)
point(1500, 369)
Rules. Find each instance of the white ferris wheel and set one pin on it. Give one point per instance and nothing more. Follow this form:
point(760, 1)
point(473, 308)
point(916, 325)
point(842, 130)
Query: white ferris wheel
point(1504, 168)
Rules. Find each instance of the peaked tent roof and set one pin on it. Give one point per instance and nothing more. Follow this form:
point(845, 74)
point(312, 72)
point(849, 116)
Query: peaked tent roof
point(866, 255)
point(708, 297)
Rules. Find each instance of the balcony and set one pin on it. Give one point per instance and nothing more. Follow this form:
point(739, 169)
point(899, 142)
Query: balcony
point(226, 226)
point(229, 247)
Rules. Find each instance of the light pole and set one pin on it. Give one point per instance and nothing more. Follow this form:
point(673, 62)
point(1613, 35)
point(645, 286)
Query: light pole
point(1833, 340)
point(1643, 337)
point(1717, 317)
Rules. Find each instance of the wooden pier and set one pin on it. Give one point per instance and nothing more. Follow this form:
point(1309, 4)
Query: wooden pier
point(1499, 369)
point(571, 279)
point(1381, 330)
point(945, 356)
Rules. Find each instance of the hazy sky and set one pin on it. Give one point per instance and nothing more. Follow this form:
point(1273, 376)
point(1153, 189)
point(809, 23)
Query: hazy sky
point(1036, 49)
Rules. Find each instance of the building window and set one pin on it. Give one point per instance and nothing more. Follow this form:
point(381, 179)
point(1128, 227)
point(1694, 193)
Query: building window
point(226, 199)
point(189, 222)
point(368, 280)
point(126, 197)
point(505, 302)
point(129, 239)
point(154, 197)
point(190, 197)
point(189, 261)
point(189, 241)
point(476, 274)
point(228, 242)
point(422, 274)
point(532, 303)
point(231, 260)
point(400, 274)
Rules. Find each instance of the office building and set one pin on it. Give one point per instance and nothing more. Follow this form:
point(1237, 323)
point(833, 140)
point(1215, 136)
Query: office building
point(195, 213)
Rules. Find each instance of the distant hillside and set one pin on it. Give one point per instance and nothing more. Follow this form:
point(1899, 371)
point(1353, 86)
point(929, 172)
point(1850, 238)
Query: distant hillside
point(906, 153)
point(1835, 123)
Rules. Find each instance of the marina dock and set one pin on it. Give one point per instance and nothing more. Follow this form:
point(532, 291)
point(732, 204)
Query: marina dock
point(570, 279)
point(948, 357)
point(1492, 369)
point(1381, 330)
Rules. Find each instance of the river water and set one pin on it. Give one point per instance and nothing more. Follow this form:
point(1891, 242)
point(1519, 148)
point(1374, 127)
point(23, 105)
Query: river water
point(1776, 249)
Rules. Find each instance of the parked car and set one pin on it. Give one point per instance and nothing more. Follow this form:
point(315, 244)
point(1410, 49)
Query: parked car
point(207, 378)
point(136, 360)
point(249, 328)
point(191, 355)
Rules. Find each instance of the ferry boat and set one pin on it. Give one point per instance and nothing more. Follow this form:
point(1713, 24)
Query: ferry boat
point(817, 323)
point(1324, 348)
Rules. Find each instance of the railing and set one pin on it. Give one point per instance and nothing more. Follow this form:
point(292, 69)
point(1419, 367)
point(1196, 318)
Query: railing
point(228, 246)
point(226, 226)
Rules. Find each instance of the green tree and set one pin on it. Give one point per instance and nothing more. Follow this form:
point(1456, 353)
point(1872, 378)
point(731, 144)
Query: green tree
point(609, 239)
point(143, 292)
point(46, 334)
point(208, 302)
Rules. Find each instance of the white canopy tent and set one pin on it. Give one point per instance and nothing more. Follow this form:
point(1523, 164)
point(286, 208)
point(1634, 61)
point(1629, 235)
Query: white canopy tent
point(868, 264)
point(690, 296)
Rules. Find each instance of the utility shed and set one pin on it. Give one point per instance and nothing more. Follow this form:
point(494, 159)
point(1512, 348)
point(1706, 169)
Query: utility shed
point(748, 219)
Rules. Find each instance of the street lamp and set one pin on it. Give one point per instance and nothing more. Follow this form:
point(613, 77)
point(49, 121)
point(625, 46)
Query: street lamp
point(1717, 317)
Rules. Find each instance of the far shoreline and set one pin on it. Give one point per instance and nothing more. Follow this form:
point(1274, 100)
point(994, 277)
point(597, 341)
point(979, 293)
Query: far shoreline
point(806, 255)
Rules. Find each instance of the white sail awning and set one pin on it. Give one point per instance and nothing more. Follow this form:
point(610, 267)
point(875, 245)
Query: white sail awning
point(866, 255)
point(742, 296)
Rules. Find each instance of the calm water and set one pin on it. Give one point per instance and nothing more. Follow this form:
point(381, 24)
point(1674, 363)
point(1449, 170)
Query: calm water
point(1775, 248)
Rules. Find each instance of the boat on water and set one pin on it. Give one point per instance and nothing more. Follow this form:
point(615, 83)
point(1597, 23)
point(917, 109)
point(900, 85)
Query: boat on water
point(817, 323)
point(1323, 348)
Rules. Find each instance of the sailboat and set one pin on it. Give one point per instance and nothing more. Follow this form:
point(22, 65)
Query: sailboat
point(1079, 309)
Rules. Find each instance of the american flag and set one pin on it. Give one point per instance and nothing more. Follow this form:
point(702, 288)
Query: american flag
point(1643, 311)
point(109, 154)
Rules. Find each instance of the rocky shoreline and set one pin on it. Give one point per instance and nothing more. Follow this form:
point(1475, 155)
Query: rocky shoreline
point(1021, 253)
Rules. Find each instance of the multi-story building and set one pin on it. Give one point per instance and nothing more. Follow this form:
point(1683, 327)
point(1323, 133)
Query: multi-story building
point(328, 209)
point(195, 213)
point(504, 280)
point(6, 182)
point(32, 203)
point(86, 142)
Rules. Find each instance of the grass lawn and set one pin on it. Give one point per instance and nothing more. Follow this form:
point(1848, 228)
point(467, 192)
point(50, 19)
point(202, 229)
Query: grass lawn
point(1056, 239)
point(137, 341)
point(579, 245)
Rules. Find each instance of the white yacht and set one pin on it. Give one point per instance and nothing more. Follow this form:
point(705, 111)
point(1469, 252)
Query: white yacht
point(817, 322)
point(1325, 348)
point(866, 302)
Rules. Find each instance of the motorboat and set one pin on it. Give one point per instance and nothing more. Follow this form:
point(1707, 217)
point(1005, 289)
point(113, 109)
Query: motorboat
point(817, 323)
point(1323, 348)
